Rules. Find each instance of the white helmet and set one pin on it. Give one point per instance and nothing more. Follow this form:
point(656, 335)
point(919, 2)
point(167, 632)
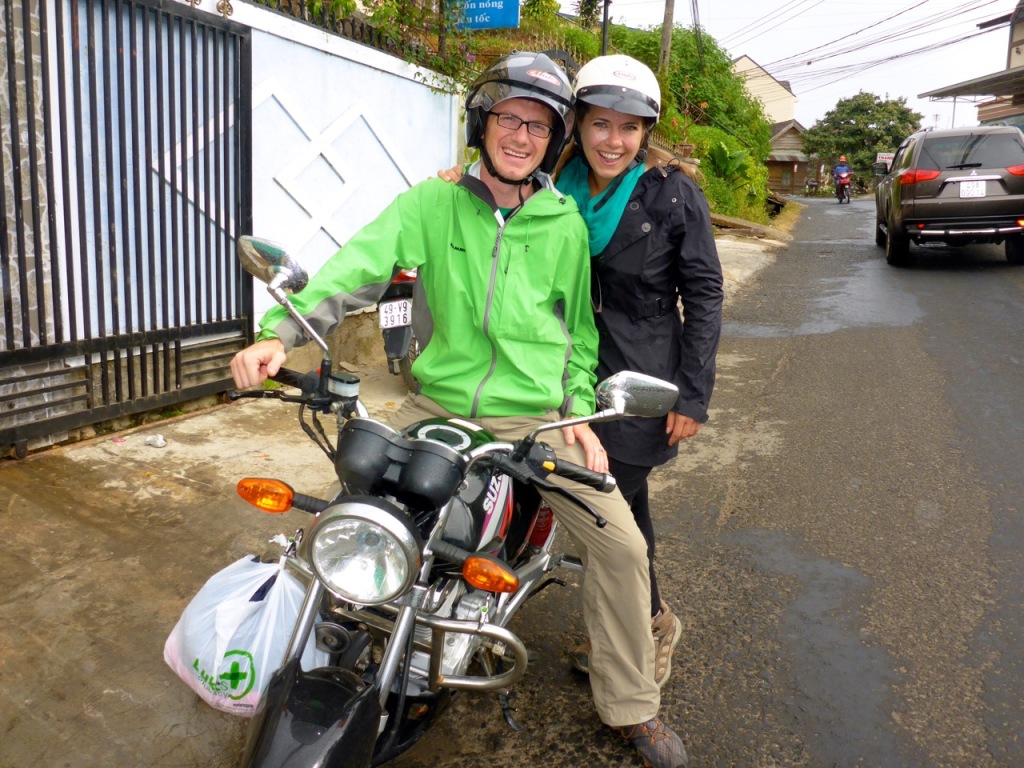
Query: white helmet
point(620, 83)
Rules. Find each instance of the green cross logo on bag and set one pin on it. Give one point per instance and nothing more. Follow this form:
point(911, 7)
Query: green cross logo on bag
point(237, 679)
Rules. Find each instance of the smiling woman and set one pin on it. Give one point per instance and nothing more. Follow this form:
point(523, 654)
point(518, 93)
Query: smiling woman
point(652, 247)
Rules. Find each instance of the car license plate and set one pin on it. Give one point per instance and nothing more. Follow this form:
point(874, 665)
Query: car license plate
point(395, 314)
point(972, 189)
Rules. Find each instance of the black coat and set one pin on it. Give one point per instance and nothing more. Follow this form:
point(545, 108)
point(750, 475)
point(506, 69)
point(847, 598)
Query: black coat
point(662, 251)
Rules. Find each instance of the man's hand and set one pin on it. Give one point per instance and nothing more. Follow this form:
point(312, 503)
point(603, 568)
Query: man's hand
point(597, 459)
point(679, 427)
point(254, 364)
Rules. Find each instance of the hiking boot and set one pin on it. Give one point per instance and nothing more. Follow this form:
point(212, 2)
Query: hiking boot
point(581, 657)
point(667, 630)
point(656, 743)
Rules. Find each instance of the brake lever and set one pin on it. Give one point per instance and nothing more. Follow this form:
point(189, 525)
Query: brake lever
point(567, 494)
point(523, 472)
point(257, 393)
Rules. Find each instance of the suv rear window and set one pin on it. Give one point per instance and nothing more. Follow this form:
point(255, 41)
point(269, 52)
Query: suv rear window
point(993, 150)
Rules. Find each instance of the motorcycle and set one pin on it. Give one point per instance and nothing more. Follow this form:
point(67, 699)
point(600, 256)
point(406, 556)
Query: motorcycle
point(416, 568)
point(394, 313)
point(843, 180)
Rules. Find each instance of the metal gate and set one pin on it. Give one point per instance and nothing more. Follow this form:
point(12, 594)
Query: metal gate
point(125, 166)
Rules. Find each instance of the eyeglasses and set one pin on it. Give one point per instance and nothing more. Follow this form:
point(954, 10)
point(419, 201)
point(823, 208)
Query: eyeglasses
point(512, 122)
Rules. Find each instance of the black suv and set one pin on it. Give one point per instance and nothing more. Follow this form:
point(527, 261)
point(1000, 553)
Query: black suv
point(957, 186)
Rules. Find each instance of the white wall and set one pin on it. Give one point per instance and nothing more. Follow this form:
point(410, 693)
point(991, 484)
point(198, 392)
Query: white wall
point(339, 129)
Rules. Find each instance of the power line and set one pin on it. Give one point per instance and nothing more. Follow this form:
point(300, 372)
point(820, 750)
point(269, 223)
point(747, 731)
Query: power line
point(848, 36)
point(891, 35)
point(754, 33)
point(743, 30)
point(844, 71)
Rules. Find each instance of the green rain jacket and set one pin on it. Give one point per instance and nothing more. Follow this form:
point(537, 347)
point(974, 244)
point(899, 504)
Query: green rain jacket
point(509, 328)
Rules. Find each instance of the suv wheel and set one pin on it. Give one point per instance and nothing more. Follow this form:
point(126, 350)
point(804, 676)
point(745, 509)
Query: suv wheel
point(1015, 249)
point(897, 247)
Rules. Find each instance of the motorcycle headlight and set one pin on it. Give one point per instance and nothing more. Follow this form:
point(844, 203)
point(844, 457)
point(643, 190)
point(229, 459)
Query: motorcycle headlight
point(366, 551)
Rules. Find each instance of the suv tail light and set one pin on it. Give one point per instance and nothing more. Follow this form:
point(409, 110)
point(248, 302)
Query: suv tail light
point(914, 175)
point(1016, 170)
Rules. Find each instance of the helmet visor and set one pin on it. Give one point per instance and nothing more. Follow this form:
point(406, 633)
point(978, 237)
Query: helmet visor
point(624, 100)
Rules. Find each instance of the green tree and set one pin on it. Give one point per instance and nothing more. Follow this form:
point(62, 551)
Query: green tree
point(860, 127)
point(705, 104)
point(589, 12)
point(700, 86)
point(540, 10)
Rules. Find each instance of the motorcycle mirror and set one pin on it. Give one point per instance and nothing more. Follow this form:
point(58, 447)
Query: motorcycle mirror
point(636, 394)
point(269, 262)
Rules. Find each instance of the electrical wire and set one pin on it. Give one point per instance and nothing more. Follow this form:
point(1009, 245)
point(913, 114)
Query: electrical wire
point(835, 74)
point(756, 22)
point(760, 31)
point(910, 29)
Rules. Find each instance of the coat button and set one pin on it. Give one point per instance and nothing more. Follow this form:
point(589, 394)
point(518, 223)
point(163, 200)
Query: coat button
point(673, 199)
point(634, 206)
point(645, 227)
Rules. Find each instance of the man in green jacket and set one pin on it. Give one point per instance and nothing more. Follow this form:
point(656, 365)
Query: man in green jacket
point(503, 265)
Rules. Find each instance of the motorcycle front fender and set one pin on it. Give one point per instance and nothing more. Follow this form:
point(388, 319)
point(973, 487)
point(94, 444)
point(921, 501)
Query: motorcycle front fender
point(325, 718)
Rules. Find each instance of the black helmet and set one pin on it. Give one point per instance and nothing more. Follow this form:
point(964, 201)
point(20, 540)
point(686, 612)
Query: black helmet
point(522, 75)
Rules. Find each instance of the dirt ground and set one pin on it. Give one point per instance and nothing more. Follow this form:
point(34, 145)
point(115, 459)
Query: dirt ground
point(106, 541)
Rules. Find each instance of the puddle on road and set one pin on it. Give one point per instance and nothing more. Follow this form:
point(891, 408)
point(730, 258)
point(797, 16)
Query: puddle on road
point(867, 297)
point(844, 684)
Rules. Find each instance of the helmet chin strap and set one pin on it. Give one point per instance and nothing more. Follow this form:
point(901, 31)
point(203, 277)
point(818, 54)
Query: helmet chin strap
point(494, 171)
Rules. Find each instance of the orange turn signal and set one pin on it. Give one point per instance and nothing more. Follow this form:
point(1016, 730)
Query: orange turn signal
point(271, 496)
point(489, 574)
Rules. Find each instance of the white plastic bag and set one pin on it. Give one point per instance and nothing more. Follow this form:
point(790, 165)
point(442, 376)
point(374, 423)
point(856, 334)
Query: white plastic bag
point(232, 636)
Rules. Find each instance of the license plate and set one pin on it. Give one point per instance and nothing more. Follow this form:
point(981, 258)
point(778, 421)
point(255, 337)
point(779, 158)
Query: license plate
point(972, 189)
point(395, 314)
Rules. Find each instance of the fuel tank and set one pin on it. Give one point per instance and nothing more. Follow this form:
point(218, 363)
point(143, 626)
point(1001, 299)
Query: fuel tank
point(483, 505)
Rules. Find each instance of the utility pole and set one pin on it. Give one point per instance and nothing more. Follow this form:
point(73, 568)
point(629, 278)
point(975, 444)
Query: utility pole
point(604, 28)
point(666, 36)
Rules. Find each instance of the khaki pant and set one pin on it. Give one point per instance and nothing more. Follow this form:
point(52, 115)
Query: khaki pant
point(616, 584)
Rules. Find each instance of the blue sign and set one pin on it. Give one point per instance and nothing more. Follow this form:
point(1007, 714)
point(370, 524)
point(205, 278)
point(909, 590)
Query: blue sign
point(491, 14)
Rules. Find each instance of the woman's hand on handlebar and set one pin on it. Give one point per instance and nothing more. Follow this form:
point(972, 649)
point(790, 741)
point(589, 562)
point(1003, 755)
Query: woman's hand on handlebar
point(252, 366)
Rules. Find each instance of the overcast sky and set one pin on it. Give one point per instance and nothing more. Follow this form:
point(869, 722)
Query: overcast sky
point(830, 49)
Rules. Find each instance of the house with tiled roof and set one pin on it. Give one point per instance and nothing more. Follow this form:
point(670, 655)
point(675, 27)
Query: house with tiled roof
point(787, 163)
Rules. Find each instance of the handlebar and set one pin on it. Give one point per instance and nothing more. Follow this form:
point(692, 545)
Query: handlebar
point(318, 392)
point(307, 382)
point(600, 481)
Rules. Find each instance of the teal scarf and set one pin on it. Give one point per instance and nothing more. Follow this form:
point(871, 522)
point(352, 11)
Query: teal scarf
point(602, 213)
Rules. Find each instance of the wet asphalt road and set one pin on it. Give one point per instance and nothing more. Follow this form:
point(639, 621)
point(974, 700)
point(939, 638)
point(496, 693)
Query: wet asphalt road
point(841, 540)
